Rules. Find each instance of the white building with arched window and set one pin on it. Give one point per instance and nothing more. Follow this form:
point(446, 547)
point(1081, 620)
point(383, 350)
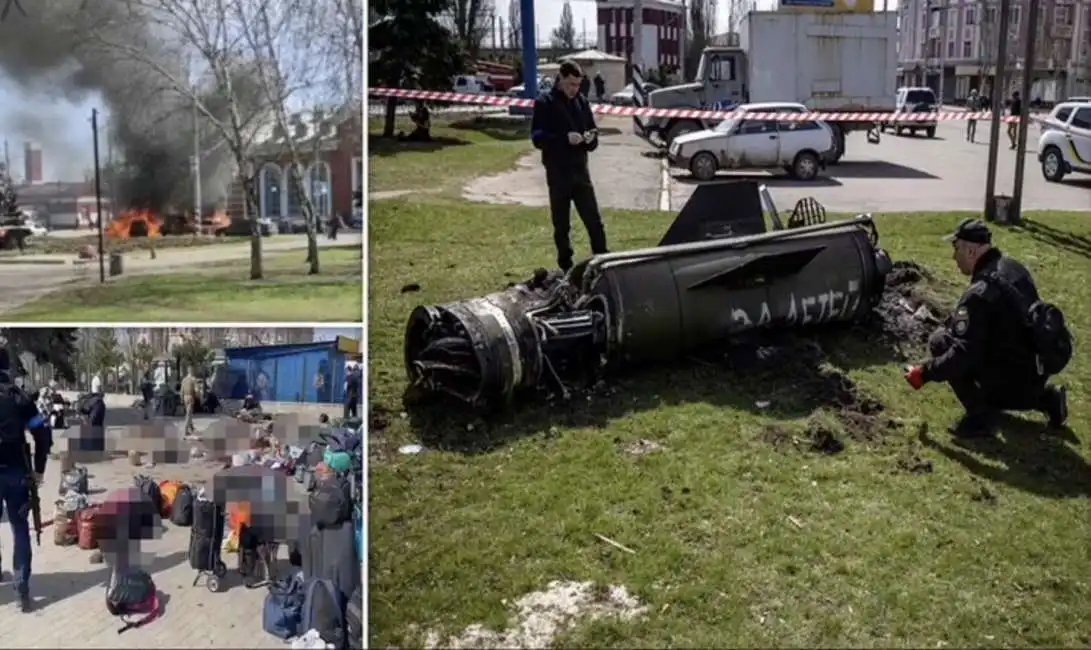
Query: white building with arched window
point(326, 171)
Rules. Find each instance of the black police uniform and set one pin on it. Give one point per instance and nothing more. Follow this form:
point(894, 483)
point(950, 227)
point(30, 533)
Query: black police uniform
point(17, 410)
point(567, 175)
point(985, 350)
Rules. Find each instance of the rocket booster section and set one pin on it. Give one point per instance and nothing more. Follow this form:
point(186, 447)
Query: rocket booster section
point(644, 306)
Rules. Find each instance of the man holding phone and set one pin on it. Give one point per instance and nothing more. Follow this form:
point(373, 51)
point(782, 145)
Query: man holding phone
point(563, 128)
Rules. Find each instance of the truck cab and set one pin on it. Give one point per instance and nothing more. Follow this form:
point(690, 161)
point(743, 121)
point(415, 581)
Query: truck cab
point(720, 85)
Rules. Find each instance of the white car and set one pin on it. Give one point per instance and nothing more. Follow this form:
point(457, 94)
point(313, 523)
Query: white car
point(798, 147)
point(36, 228)
point(1065, 146)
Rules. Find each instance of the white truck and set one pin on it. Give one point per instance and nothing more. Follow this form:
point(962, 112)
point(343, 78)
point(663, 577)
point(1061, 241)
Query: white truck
point(830, 62)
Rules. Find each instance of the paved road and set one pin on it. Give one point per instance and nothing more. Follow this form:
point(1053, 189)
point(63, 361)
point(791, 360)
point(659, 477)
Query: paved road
point(69, 590)
point(897, 175)
point(28, 277)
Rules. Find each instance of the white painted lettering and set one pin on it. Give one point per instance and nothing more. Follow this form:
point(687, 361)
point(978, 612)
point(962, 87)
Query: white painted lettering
point(740, 318)
point(766, 315)
point(806, 304)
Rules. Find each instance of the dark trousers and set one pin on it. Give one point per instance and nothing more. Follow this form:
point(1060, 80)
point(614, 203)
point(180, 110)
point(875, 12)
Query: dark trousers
point(971, 130)
point(351, 409)
point(567, 186)
point(15, 502)
point(986, 393)
point(1013, 131)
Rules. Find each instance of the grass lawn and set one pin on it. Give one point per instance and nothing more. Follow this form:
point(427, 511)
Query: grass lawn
point(71, 245)
point(741, 538)
point(217, 293)
point(461, 148)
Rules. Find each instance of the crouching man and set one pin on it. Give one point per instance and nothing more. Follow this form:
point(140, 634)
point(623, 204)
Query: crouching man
point(988, 351)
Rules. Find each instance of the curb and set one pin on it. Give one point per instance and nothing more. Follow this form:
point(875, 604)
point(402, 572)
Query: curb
point(23, 261)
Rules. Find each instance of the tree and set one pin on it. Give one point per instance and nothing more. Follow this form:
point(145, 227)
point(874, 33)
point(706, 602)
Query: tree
point(139, 356)
point(564, 34)
point(470, 21)
point(702, 20)
point(106, 356)
point(193, 353)
point(515, 24)
point(246, 62)
point(53, 346)
point(396, 58)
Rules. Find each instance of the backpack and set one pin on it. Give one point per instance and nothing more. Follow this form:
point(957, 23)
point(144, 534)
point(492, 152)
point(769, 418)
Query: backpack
point(132, 592)
point(74, 480)
point(282, 610)
point(150, 490)
point(181, 511)
point(354, 620)
point(331, 501)
point(11, 427)
point(323, 611)
point(1049, 334)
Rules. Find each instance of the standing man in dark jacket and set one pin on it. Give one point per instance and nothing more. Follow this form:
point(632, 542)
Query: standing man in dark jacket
point(1015, 110)
point(985, 351)
point(17, 468)
point(91, 445)
point(563, 128)
point(352, 392)
point(600, 87)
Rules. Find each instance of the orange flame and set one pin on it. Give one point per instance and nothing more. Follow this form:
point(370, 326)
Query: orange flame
point(134, 223)
point(217, 222)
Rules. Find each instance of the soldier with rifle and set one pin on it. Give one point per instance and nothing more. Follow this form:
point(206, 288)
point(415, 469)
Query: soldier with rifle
point(21, 473)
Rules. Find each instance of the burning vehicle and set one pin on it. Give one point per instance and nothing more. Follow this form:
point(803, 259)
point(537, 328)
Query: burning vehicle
point(717, 273)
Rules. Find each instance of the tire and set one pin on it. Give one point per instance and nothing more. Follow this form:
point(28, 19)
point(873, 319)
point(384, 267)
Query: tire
point(1053, 164)
point(681, 127)
point(913, 132)
point(838, 146)
point(898, 131)
point(805, 166)
point(930, 132)
point(703, 166)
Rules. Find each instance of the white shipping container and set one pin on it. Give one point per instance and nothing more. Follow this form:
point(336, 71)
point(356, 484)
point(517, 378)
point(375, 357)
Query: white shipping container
point(826, 61)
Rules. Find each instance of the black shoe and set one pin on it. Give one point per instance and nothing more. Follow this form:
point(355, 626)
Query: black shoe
point(26, 605)
point(974, 426)
point(1056, 406)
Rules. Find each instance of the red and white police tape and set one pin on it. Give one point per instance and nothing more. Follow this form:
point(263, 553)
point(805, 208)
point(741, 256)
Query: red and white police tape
point(632, 111)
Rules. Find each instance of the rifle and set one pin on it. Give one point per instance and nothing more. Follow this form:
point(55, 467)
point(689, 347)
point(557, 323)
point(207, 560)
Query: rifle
point(34, 498)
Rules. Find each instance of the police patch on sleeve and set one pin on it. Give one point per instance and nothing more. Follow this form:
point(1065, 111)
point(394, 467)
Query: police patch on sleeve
point(961, 321)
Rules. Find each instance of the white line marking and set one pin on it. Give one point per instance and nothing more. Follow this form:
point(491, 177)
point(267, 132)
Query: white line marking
point(664, 185)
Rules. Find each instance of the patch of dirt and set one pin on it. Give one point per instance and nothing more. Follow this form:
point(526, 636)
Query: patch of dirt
point(540, 616)
point(910, 308)
point(639, 447)
point(915, 465)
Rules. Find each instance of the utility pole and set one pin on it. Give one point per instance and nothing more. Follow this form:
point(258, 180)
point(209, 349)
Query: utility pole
point(197, 198)
point(1029, 59)
point(683, 32)
point(997, 108)
point(98, 200)
point(942, 48)
point(637, 27)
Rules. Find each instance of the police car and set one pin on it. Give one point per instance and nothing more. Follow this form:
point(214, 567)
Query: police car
point(1064, 146)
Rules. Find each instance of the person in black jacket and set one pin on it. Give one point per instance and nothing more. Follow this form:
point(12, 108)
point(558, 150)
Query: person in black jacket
point(985, 351)
point(91, 443)
point(563, 128)
point(17, 413)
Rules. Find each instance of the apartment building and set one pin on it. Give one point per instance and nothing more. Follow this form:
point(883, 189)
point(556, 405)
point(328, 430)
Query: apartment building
point(956, 41)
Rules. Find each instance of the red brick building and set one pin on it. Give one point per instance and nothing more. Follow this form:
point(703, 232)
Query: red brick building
point(663, 33)
point(330, 146)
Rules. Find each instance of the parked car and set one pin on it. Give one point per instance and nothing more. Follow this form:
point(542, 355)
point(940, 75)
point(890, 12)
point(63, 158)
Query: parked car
point(470, 84)
point(914, 100)
point(801, 148)
point(545, 84)
point(626, 96)
point(1065, 147)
